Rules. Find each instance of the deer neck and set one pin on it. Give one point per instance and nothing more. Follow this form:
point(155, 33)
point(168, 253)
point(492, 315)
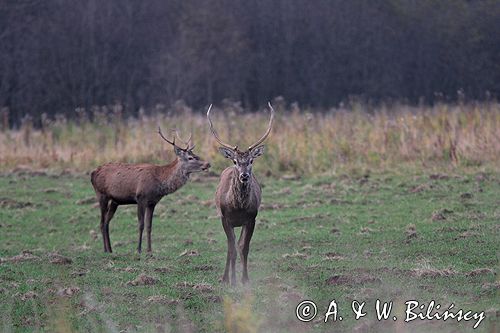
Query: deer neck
point(241, 191)
point(172, 177)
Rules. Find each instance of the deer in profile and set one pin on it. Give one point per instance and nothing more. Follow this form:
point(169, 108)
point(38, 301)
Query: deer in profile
point(238, 198)
point(118, 184)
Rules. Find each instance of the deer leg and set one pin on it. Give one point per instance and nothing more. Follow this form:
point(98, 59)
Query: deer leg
point(149, 223)
point(109, 215)
point(244, 245)
point(140, 220)
point(103, 203)
point(231, 254)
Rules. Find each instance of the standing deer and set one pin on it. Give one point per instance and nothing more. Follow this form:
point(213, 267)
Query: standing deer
point(238, 198)
point(142, 184)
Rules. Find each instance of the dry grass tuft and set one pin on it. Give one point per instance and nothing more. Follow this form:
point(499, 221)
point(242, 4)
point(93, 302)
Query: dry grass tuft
point(302, 143)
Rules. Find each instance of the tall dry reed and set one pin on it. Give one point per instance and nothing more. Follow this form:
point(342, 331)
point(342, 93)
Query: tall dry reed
point(302, 141)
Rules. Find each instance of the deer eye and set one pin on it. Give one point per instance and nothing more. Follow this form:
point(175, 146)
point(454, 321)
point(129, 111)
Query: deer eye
point(234, 161)
point(190, 158)
point(251, 161)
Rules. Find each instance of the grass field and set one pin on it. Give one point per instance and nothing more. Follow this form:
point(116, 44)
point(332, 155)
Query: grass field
point(387, 236)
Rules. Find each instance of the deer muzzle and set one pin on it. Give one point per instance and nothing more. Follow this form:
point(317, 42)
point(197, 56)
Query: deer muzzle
point(205, 166)
point(244, 177)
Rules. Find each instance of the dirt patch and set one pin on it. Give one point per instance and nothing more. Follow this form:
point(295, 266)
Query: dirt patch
point(290, 177)
point(160, 299)
point(14, 204)
point(420, 188)
point(28, 295)
point(411, 232)
point(201, 287)
point(86, 201)
point(333, 256)
point(366, 231)
point(466, 195)
point(68, 292)
point(480, 272)
point(81, 272)
point(335, 230)
point(432, 272)
point(93, 234)
point(189, 253)
point(276, 206)
point(467, 234)
point(295, 255)
point(350, 280)
point(163, 270)
point(491, 285)
point(57, 259)
point(208, 203)
point(23, 256)
point(142, 280)
point(439, 176)
point(440, 215)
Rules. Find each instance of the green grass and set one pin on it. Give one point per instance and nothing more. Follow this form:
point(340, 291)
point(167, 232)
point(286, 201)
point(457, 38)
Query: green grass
point(308, 231)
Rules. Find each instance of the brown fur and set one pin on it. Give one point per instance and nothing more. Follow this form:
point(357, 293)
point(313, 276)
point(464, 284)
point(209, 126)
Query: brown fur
point(142, 184)
point(238, 198)
point(237, 203)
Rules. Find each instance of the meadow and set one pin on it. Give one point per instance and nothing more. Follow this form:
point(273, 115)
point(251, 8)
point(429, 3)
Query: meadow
point(393, 204)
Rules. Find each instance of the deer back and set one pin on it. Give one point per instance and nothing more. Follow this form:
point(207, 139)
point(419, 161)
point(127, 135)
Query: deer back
point(125, 182)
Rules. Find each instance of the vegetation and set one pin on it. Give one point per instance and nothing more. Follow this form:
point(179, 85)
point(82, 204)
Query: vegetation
point(56, 56)
point(356, 138)
point(424, 237)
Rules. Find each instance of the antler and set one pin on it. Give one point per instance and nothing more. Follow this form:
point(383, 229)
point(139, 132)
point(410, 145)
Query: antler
point(164, 138)
point(268, 129)
point(188, 143)
point(214, 133)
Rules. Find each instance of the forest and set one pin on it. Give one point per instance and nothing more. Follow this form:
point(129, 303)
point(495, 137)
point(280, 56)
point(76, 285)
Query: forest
point(57, 57)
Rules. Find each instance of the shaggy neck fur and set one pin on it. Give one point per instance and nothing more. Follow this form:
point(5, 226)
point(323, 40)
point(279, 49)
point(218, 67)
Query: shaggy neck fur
point(173, 176)
point(241, 191)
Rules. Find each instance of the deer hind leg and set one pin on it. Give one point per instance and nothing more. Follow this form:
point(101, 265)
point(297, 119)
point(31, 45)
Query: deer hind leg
point(140, 221)
point(109, 215)
point(231, 254)
point(149, 223)
point(103, 203)
point(244, 247)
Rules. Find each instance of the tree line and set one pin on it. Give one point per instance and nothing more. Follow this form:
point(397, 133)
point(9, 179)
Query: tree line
point(56, 56)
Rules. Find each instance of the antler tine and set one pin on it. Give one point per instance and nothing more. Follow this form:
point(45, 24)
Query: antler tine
point(268, 128)
point(214, 133)
point(164, 138)
point(189, 141)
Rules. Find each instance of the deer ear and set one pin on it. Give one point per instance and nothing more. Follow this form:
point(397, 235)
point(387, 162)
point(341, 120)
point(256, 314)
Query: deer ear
point(178, 151)
point(226, 152)
point(257, 151)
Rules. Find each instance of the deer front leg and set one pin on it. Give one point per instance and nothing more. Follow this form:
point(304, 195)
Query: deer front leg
point(149, 223)
point(103, 203)
point(140, 220)
point(244, 245)
point(109, 215)
point(231, 254)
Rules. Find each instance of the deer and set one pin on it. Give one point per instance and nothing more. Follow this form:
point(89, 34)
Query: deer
point(238, 198)
point(145, 185)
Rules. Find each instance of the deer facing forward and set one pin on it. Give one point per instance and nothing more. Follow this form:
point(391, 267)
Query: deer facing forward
point(142, 184)
point(238, 198)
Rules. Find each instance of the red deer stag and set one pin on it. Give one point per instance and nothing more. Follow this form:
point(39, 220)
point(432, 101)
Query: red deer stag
point(238, 198)
point(142, 184)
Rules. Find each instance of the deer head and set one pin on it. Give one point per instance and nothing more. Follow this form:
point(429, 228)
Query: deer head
point(189, 160)
point(243, 160)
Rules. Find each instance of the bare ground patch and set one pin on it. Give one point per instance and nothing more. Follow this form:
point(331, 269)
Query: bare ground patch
point(142, 280)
